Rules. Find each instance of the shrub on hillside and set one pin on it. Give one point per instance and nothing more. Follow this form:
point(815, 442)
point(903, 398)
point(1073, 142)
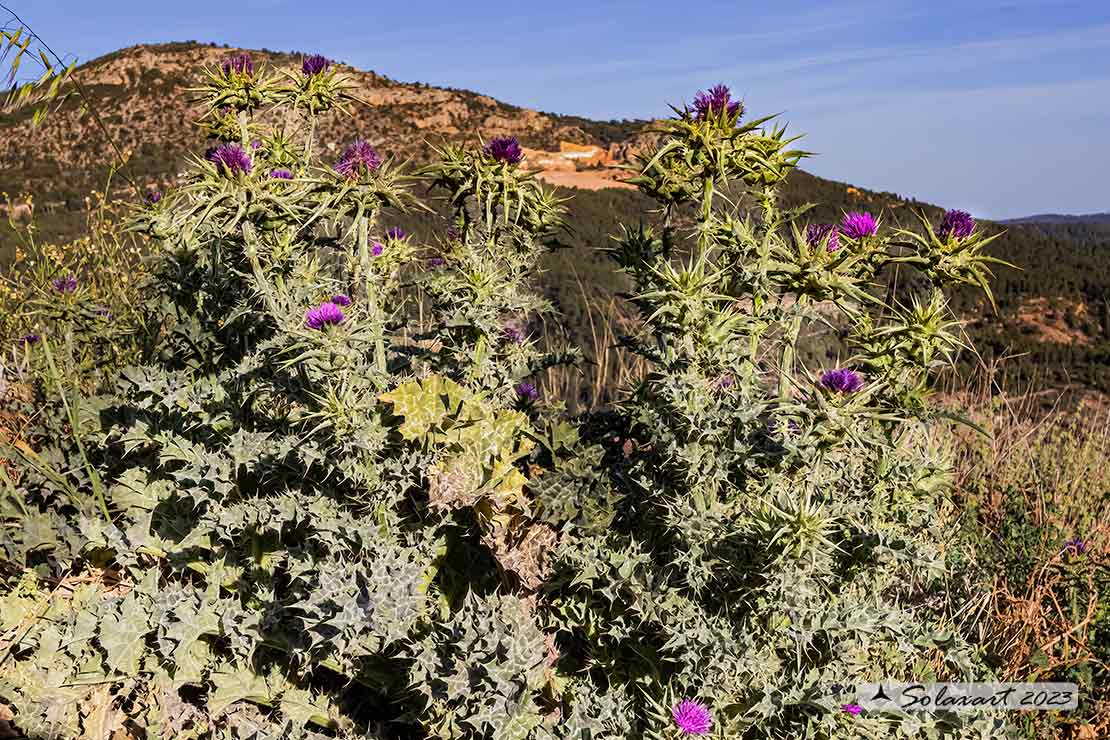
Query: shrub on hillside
point(296, 517)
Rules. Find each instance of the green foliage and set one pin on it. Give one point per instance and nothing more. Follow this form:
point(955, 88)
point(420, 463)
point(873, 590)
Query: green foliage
point(49, 87)
point(304, 512)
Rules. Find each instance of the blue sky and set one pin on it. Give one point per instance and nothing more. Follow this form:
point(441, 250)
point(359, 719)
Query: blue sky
point(1001, 107)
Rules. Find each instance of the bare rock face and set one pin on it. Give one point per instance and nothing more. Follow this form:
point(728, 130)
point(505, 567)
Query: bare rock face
point(142, 97)
point(583, 166)
point(635, 145)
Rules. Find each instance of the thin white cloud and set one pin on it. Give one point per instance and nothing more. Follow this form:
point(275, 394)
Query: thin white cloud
point(923, 61)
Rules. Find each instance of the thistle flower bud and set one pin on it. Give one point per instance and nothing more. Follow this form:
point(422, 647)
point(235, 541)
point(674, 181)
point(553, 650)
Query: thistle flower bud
point(858, 224)
point(230, 159)
point(692, 718)
point(323, 315)
point(504, 149)
point(358, 158)
point(1075, 546)
point(709, 103)
point(959, 224)
point(315, 64)
point(238, 64)
point(66, 284)
point(841, 380)
point(818, 234)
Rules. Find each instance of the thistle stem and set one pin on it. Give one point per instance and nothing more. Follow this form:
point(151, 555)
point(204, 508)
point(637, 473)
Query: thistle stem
point(376, 313)
point(243, 131)
point(309, 137)
point(363, 252)
point(786, 363)
point(263, 283)
point(707, 200)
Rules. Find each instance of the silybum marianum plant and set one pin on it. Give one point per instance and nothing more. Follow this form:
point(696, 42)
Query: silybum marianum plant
point(772, 534)
point(292, 519)
point(302, 516)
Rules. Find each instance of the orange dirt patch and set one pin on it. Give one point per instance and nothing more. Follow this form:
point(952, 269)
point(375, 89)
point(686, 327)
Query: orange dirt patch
point(586, 179)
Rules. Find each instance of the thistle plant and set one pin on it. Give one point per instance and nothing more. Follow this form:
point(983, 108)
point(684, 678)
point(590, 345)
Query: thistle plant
point(503, 220)
point(298, 515)
point(303, 508)
point(772, 534)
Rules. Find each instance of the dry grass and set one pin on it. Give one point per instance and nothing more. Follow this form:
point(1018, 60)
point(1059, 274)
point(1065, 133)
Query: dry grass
point(608, 368)
point(1038, 478)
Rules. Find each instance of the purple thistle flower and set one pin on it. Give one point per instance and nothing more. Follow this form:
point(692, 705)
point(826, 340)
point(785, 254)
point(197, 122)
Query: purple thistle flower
point(376, 250)
point(841, 380)
point(396, 232)
point(436, 262)
point(692, 717)
point(513, 335)
point(858, 224)
point(256, 144)
point(959, 224)
point(324, 314)
point(527, 391)
point(1076, 546)
point(725, 381)
point(504, 149)
point(238, 63)
point(281, 175)
point(712, 102)
point(65, 284)
point(452, 234)
point(152, 197)
point(30, 339)
point(230, 159)
point(315, 64)
point(852, 709)
point(359, 157)
point(341, 300)
point(817, 234)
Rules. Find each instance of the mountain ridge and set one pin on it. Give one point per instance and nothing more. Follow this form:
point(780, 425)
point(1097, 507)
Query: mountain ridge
point(141, 94)
point(1061, 218)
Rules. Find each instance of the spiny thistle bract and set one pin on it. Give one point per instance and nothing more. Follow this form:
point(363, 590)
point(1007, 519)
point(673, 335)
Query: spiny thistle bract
point(304, 516)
